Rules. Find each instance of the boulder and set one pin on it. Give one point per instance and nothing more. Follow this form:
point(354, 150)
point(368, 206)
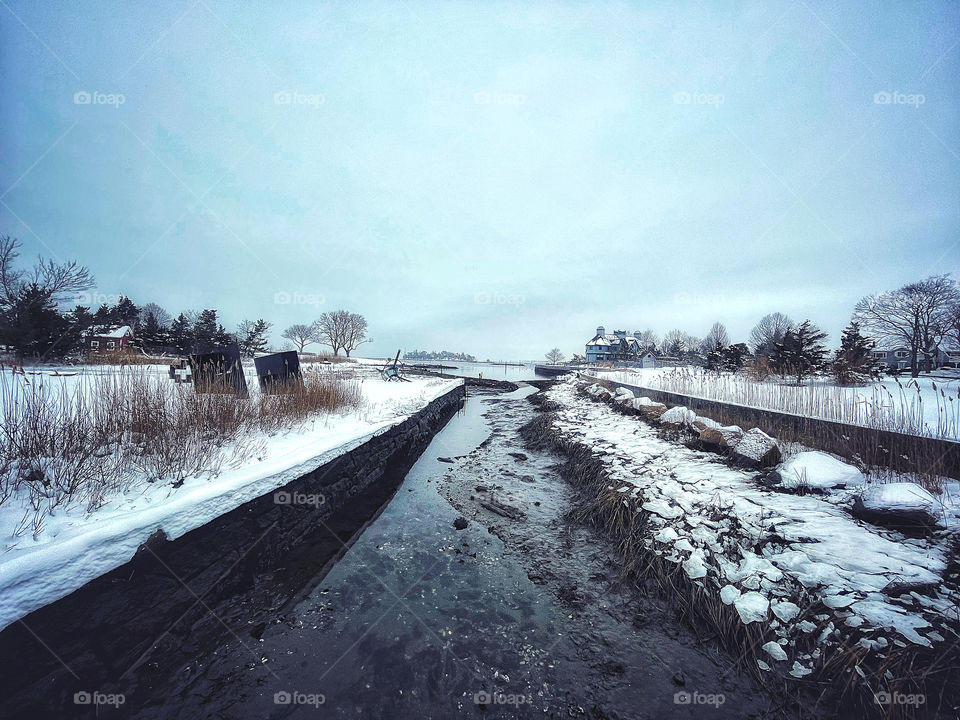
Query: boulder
point(756, 449)
point(653, 412)
point(678, 417)
point(904, 506)
point(720, 439)
point(818, 470)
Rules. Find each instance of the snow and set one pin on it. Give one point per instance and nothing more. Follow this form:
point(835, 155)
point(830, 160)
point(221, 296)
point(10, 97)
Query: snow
point(815, 469)
point(679, 416)
point(922, 404)
point(899, 496)
point(754, 444)
point(769, 551)
point(77, 546)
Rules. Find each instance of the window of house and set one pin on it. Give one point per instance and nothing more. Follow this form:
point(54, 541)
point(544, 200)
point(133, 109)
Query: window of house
point(903, 353)
point(94, 344)
point(901, 365)
point(110, 344)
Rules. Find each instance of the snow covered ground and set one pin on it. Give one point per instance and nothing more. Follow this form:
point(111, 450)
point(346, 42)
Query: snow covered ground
point(77, 546)
point(801, 565)
point(929, 405)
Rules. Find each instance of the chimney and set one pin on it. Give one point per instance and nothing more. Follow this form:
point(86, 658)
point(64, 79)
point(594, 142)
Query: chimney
point(600, 331)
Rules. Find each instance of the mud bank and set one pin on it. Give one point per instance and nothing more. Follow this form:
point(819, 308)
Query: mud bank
point(122, 633)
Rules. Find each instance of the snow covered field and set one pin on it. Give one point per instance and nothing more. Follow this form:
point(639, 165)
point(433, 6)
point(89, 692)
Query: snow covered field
point(76, 546)
point(801, 567)
point(925, 406)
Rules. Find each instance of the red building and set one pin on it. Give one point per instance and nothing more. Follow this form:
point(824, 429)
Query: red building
point(110, 339)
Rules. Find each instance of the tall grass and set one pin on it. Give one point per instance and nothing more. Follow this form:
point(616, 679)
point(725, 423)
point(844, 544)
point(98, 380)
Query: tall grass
point(872, 406)
point(106, 433)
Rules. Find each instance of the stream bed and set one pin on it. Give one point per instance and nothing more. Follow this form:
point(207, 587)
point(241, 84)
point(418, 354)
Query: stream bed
point(519, 613)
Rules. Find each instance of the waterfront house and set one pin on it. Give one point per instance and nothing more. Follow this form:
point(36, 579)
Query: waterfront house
point(621, 347)
point(899, 358)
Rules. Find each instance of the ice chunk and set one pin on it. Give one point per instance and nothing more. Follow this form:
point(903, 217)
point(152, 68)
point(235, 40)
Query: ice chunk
point(774, 650)
point(728, 594)
point(785, 610)
point(752, 607)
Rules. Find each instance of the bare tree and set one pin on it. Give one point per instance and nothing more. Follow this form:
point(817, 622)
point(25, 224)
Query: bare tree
point(675, 342)
point(555, 357)
point(341, 330)
point(768, 332)
point(648, 340)
point(716, 339)
point(54, 280)
point(355, 333)
point(300, 335)
point(918, 315)
point(160, 315)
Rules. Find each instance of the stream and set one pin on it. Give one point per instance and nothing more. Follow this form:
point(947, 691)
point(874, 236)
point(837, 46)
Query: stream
point(515, 615)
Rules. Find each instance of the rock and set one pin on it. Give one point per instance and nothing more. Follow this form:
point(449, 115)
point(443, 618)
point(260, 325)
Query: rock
point(679, 679)
point(728, 594)
point(720, 439)
point(814, 469)
point(518, 456)
point(507, 511)
point(653, 412)
point(460, 523)
point(904, 506)
point(678, 417)
point(703, 423)
point(756, 449)
point(444, 460)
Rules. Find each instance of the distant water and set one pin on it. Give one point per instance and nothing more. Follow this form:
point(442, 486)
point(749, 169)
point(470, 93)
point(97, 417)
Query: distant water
point(492, 372)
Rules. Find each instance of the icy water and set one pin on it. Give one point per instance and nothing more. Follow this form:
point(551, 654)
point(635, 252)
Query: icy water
point(509, 617)
point(512, 373)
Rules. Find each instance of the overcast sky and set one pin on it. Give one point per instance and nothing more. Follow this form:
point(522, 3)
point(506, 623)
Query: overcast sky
point(486, 177)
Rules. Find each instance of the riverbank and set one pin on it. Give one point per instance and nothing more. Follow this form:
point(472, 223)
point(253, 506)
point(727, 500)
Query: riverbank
point(123, 632)
point(808, 598)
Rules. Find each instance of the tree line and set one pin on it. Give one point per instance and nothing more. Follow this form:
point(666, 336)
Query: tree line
point(33, 324)
point(922, 317)
point(338, 330)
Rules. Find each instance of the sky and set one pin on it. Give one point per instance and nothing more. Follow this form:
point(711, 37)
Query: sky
point(496, 178)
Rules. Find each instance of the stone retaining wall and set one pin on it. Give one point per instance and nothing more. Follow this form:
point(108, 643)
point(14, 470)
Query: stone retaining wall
point(882, 448)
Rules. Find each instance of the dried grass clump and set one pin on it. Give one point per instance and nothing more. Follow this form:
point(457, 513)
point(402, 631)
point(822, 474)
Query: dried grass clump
point(108, 432)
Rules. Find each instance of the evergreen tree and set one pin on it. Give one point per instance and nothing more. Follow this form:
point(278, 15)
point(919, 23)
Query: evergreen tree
point(151, 334)
point(801, 352)
point(252, 336)
point(32, 325)
point(734, 356)
point(181, 334)
point(853, 362)
point(103, 317)
point(207, 332)
point(125, 313)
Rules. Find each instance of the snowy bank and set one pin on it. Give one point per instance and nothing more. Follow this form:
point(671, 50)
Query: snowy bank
point(798, 569)
point(77, 546)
